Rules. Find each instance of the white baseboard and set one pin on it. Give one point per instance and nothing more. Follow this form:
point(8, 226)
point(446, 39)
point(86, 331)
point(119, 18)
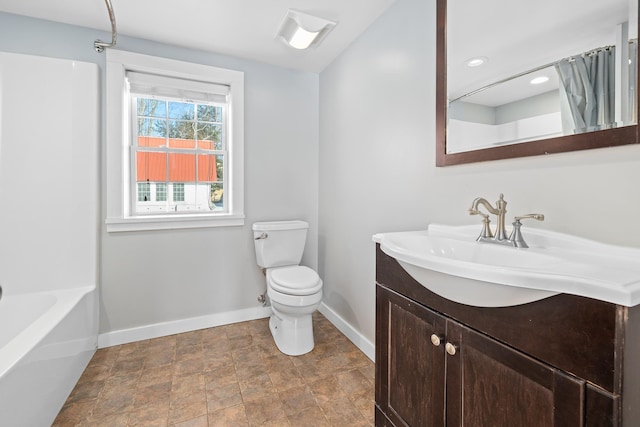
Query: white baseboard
point(156, 330)
point(366, 346)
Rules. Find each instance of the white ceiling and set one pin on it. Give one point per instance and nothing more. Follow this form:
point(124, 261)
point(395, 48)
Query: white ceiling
point(242, 28)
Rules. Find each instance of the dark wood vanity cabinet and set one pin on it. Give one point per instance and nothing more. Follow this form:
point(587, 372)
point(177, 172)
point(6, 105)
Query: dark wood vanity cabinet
point(554, 362)
point(483, 382)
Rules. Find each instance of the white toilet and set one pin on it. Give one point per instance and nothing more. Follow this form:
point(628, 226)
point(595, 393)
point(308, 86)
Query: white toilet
point(295, 291)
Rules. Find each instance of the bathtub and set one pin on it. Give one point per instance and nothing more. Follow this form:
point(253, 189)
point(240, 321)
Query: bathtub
point(46, 341)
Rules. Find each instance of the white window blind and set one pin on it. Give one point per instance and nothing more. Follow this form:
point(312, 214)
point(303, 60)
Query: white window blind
point(169, 87)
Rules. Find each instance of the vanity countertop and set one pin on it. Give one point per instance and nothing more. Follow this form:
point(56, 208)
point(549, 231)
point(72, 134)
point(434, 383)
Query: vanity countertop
point(498, 275)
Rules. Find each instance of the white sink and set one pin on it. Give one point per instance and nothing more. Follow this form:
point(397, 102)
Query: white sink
point(448, 261)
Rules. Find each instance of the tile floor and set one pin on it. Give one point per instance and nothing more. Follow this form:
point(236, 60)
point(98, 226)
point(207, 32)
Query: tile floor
point(228, 376)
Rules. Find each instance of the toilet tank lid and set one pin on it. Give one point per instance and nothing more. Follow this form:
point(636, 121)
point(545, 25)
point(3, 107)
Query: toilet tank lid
point(279, 225)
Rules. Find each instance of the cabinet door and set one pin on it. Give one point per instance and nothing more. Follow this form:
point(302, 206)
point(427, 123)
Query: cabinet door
point(410, 386)
point(490, 384)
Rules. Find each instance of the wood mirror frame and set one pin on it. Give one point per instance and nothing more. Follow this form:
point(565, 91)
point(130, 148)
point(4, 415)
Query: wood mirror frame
point(585, 141)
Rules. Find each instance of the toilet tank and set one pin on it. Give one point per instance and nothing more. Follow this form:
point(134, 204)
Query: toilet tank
point(279, 243)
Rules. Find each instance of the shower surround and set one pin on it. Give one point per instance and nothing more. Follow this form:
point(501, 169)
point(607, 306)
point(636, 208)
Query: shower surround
point(48, 232)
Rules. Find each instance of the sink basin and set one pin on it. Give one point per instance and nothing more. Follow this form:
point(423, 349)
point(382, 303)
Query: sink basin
point(449, 262)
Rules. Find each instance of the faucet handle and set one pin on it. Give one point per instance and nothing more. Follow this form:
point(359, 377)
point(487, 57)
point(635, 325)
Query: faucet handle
point(538, 217)
point(486, 228)
point(516, 235)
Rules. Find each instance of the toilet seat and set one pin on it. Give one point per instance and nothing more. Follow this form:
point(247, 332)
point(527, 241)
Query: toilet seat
point(296, 280)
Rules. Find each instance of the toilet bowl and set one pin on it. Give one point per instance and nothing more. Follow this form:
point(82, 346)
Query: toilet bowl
point(294, 291)
point(291, 323)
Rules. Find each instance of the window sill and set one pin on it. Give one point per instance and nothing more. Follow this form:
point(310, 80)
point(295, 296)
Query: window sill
point(172, 222)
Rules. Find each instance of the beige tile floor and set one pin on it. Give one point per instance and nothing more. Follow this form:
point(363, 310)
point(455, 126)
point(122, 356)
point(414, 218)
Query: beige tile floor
point(228, 376)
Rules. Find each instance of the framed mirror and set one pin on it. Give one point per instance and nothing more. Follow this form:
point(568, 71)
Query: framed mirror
point(521, 78)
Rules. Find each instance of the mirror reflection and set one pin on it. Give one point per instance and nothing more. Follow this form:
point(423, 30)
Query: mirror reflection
point(520, 71)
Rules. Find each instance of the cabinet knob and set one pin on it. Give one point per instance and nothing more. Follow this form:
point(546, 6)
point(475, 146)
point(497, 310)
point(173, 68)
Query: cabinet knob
point(450, 348)
point(436, 339)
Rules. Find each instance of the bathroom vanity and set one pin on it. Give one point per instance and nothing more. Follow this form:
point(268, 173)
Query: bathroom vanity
point(563, 360)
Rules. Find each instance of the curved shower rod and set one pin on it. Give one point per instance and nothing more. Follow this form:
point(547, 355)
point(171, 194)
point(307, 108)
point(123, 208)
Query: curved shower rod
point(99, 45)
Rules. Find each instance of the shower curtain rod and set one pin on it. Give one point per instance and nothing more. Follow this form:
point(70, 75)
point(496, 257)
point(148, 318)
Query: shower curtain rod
point(99, 45)
point(524, 73)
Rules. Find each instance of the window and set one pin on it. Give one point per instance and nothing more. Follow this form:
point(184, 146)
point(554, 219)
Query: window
point(161, 192)
point(174, 144)
point(178, 137)
point(144, 191)
point(178, 192)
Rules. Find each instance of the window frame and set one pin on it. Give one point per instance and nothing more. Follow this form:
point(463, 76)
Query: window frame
point(120, 212)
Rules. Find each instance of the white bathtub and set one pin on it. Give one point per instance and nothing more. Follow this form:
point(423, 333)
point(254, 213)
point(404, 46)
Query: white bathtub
point(46, 341)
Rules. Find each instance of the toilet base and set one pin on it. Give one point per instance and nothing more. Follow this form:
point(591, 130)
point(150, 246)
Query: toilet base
point(293, 335)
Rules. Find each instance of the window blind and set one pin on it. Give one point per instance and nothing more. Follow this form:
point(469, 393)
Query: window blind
point(167, 87)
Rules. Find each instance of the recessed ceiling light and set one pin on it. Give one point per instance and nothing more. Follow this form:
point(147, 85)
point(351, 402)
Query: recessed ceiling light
point(476, 62)
point(539, 80)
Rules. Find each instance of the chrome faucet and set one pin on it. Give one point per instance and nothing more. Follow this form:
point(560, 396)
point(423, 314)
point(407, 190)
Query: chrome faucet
point(500, 237)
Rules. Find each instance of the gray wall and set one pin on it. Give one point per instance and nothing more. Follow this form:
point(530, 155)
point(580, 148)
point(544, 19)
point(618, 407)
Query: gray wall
point(545, 103)
point(159, 276)
point(470, 112)
point(377, 163)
